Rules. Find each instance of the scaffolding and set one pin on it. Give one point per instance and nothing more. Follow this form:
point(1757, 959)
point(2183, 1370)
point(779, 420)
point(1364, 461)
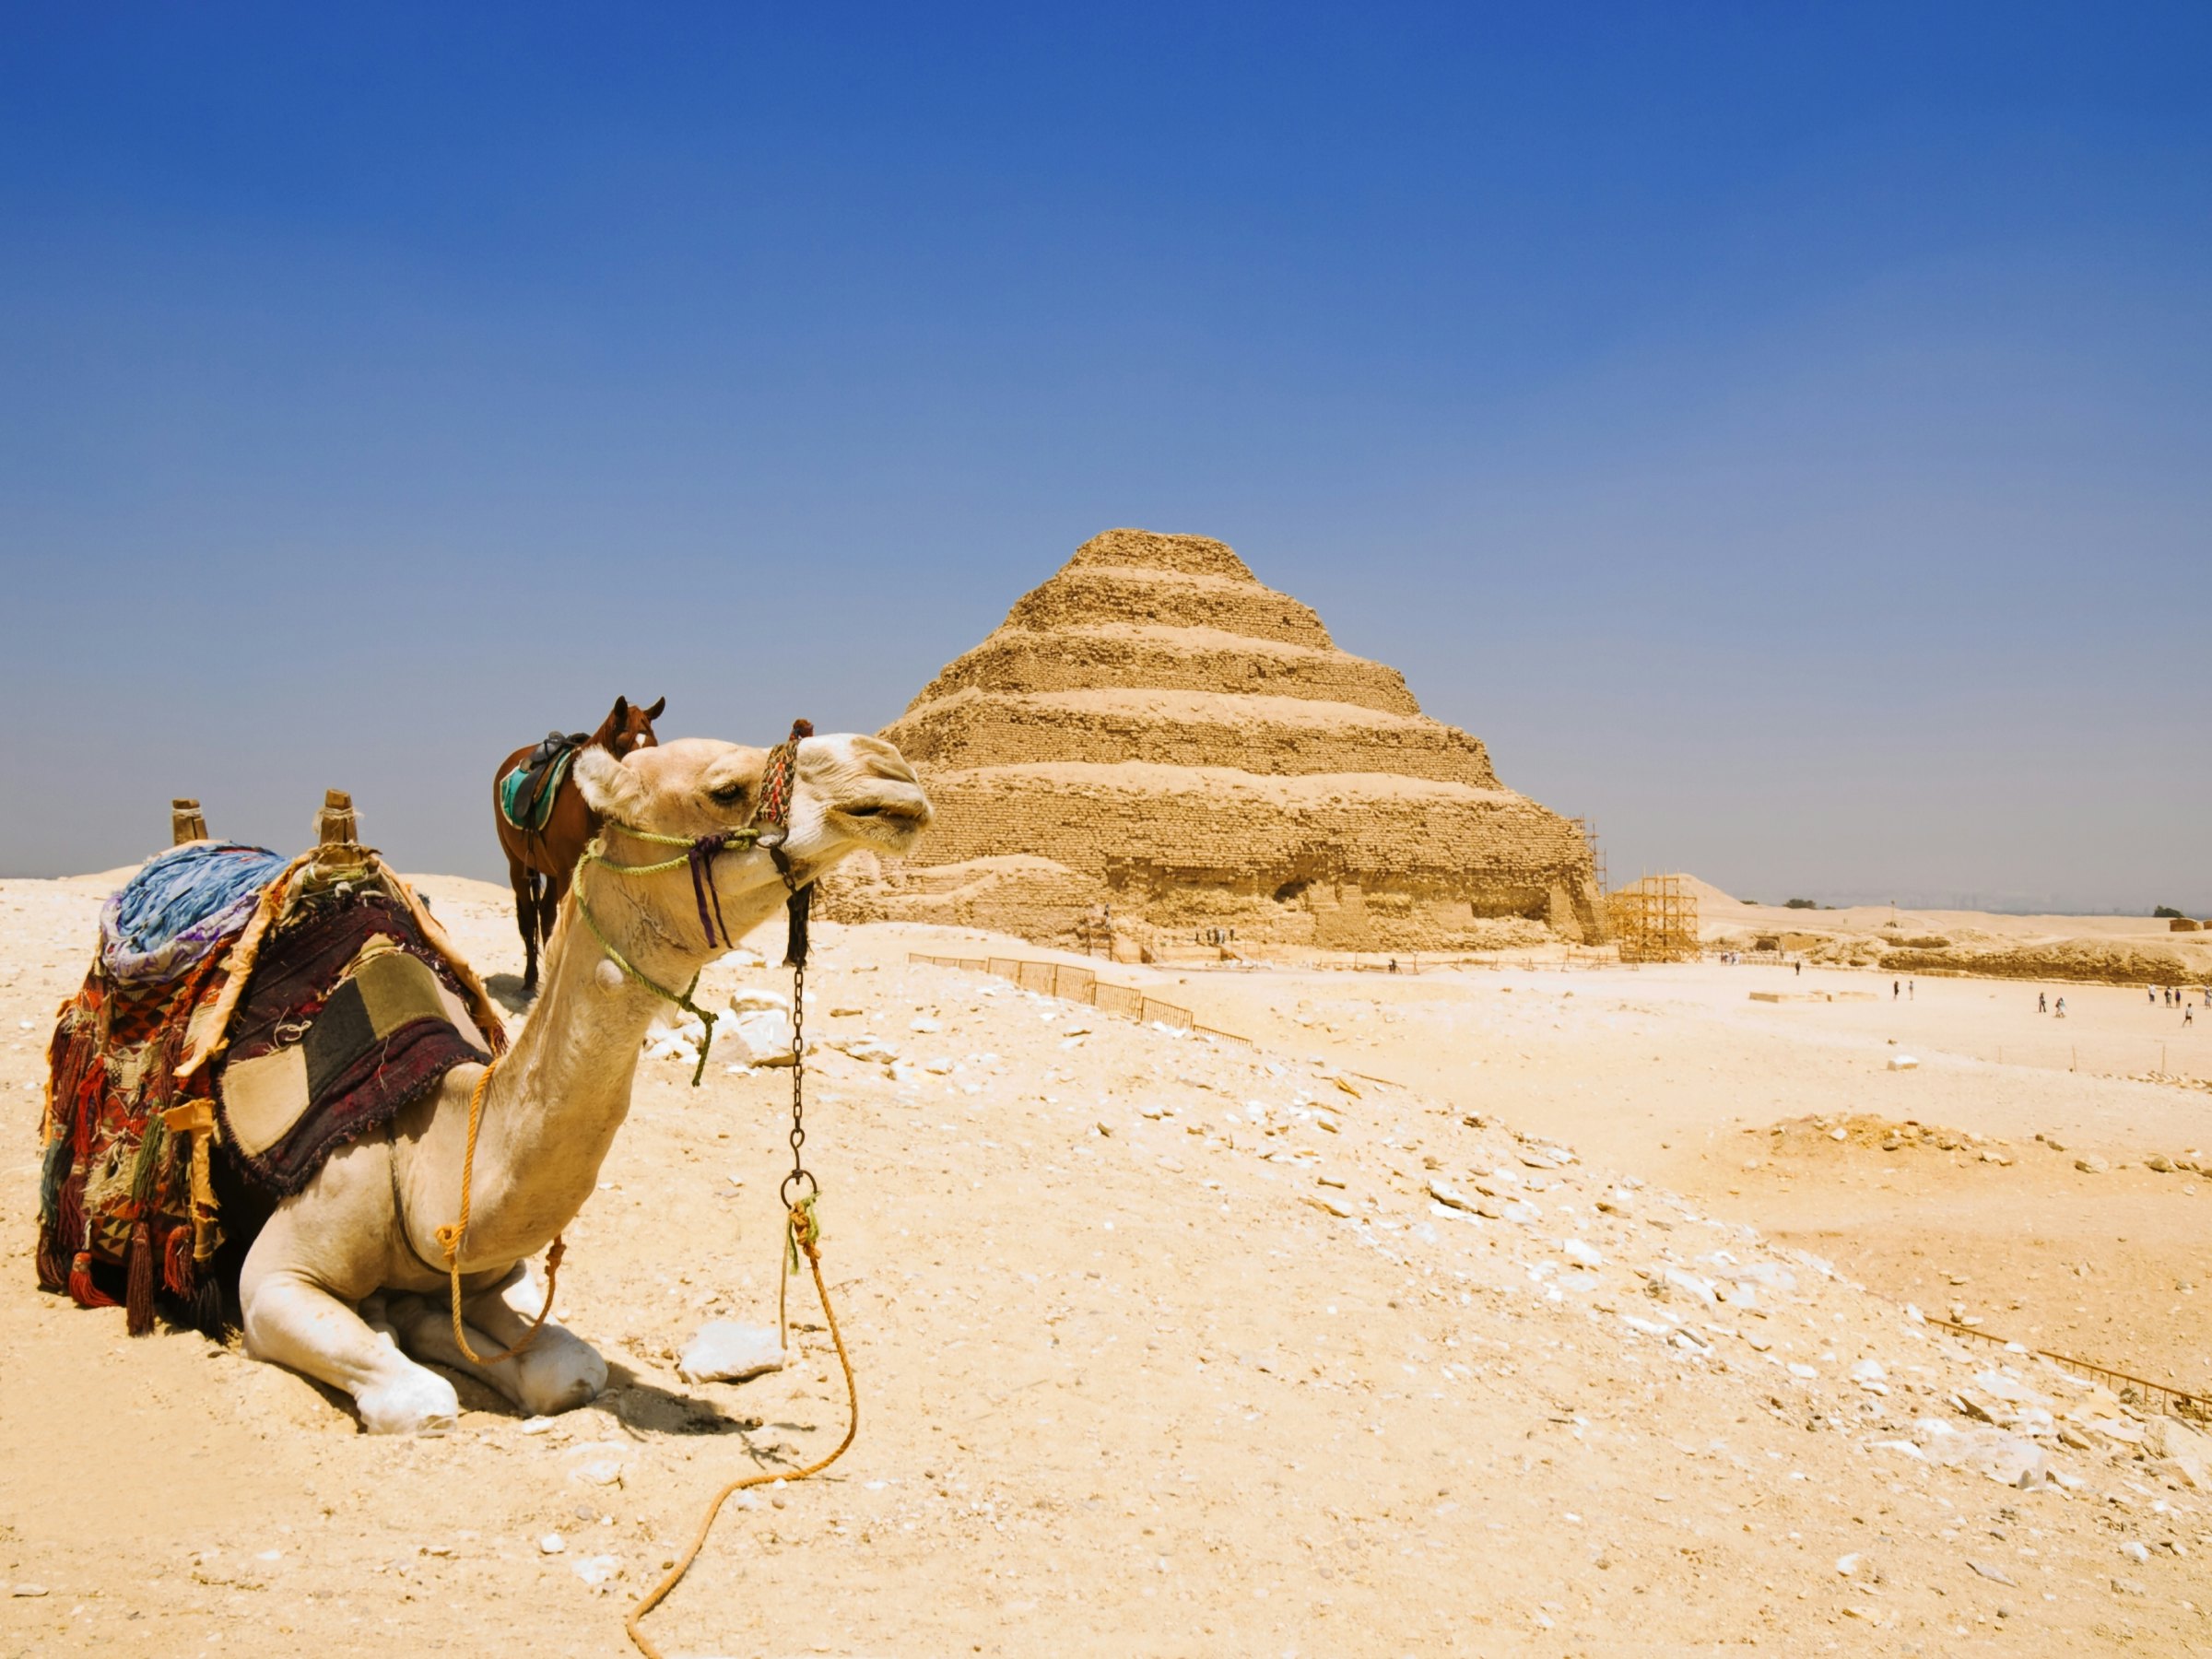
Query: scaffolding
point(1654, 921)
point(1588, 831)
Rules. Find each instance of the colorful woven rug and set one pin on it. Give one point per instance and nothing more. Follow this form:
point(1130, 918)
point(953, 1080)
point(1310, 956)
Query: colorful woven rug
point(333, 1003)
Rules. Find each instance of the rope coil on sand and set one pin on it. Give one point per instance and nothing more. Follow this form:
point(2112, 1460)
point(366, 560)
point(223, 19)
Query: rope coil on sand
point(802, 1236)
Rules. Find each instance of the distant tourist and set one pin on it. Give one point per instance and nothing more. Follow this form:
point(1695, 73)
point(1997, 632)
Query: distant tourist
point(1907, 990)
point(2042, 1002)
point(1897, 989)
point(2188, 1015)
point(2060, 1012)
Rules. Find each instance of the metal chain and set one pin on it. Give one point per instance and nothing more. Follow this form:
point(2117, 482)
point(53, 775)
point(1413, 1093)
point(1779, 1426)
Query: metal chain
point(789, 1190)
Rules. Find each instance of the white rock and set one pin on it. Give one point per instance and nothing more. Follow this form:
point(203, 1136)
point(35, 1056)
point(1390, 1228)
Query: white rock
point(600, 1471)
point(747, 998)
point(1848, 1564)
point(596, 1569)
point(2007, 1458)
point(1451, 1197)
point(1581, 1254)
point(726, 1351)
point(873, 1051)
point(1904, 1063)
point(760, 1037)
point(1691, 1284)
point(1868, 1371)
point(925, 1024)
point(552, 1544)
point(940, 1066)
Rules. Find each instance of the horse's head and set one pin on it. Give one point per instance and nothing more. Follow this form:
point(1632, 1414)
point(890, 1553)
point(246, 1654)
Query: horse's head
point(630, 726)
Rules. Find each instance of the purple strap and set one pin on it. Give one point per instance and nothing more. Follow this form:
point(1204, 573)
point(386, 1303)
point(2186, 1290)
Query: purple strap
point(702, 860)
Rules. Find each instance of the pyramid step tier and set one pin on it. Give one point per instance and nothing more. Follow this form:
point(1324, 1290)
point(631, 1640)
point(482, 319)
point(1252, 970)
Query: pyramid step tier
point(1084, 595)
point(1167, 659)
point(1247, 733)
point(1218, 825)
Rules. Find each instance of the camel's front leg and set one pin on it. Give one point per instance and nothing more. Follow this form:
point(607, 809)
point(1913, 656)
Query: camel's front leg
point(558, 1372)
point(292, 1320)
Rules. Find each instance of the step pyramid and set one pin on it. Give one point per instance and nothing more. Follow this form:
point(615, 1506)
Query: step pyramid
point(1156, 731)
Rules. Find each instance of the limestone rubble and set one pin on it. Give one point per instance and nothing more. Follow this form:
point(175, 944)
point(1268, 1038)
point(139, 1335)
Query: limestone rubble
point(1155, 731)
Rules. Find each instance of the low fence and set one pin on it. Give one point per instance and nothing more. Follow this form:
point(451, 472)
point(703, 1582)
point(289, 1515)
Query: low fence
point(1072, 983)
point(2135, 1390)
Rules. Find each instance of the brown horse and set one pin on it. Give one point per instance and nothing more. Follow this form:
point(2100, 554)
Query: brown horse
point(540, 862)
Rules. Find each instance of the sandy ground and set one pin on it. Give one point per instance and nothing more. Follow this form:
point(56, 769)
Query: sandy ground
point(1172, 1346)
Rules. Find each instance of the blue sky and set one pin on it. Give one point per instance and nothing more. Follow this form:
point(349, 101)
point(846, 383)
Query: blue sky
point(1781, 432)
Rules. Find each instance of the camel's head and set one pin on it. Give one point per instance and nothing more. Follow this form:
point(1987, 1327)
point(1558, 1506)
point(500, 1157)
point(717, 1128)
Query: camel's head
point(851, 792)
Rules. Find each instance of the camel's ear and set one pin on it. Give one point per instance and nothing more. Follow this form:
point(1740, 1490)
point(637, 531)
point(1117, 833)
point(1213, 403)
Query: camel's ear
point(610, 788)
point(621, 713)
point(659, 703)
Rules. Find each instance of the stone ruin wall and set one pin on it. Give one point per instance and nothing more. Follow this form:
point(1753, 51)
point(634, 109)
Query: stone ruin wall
point(1155, 731)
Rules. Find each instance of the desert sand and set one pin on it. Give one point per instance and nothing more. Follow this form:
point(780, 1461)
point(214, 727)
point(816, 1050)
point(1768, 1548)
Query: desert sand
point(1547, 1344)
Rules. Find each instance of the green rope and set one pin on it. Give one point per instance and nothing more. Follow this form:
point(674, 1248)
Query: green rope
point(682, 1001)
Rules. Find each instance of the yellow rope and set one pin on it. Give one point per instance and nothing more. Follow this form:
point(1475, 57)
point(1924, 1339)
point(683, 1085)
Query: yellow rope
point(450, 1240)
point(802, 1232)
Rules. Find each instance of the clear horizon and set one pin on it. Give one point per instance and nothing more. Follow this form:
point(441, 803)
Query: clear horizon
point(1781, 437)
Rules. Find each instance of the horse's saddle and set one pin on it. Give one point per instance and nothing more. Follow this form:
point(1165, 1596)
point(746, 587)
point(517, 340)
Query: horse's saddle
point(527, 792)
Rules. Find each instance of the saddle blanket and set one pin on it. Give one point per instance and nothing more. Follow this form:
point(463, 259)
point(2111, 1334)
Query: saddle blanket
point(527, 793)
point(308, 1023)
point(347, 1020)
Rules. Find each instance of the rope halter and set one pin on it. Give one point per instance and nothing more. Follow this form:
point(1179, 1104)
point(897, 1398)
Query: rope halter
point(767, 829)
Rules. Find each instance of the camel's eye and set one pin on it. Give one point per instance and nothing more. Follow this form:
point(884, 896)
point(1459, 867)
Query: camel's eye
point(729, 795)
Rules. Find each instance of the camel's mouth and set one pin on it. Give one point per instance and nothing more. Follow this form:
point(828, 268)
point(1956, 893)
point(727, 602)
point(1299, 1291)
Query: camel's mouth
point(892, 821)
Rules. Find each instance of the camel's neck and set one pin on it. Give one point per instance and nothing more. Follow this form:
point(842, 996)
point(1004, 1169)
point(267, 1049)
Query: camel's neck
point(562, 1091)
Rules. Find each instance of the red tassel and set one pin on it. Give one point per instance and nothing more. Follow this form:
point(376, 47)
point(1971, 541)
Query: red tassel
point(138, 1293)
point(52, 1276)
point(82, 1291)
point(177, 1272)
point(69, 1225)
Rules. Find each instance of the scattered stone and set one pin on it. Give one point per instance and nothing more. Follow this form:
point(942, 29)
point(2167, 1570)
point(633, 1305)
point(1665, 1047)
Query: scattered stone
point(761, 1037)
point(552, 1544)
point(28, 1589)
point(2160, 1162)
point(1899, 1063)
point(1451, 1196)
point(1996, 1575)
point(726, 1351)
point(747, 999)
point(2092, 1165)
point(1581, 1254)
point(596, 1569)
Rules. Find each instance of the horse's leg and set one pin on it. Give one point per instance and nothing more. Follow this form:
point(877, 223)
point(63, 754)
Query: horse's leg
point(522, 879)
point(548, 903)
point(558, 1372)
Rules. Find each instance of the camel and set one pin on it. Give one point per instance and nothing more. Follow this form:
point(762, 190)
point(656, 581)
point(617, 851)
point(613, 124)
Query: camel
point(346, 1281)
point(540, 862)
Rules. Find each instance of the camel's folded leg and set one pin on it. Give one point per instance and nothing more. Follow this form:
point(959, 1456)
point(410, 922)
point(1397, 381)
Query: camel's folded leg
point(294, 1322)
point(558, 1372)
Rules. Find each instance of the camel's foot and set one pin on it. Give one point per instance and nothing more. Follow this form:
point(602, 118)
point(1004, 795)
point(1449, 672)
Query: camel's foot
point(416, 1402)
point(558, 1372)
